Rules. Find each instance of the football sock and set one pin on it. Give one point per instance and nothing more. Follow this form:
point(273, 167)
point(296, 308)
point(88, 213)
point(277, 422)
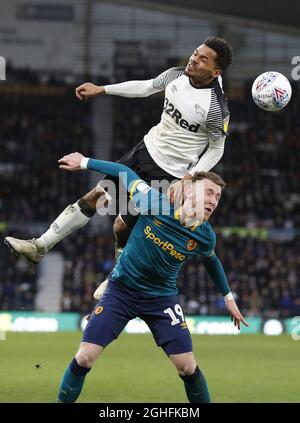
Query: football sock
point(196, 387)
point(72, 382)
point(75, 216)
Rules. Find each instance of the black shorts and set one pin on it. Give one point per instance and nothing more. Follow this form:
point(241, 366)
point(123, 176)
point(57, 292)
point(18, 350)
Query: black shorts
point(139, 160)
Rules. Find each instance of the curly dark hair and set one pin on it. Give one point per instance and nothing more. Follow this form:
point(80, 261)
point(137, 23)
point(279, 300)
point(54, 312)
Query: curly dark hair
point(223, 50)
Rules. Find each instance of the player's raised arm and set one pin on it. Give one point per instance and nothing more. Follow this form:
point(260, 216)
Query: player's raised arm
point(139, 190)
point(76, 161)
point(123, 89)
point(216, 271)
point(87, 90)
point(138, 88)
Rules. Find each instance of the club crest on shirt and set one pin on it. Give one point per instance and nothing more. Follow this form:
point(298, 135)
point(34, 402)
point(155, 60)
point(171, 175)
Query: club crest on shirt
point(199, 110)
point(98, 310)
point(174, 88)
point(191, 245)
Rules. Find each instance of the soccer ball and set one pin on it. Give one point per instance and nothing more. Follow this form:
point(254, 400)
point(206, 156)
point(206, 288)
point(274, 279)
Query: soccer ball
point(271, 91)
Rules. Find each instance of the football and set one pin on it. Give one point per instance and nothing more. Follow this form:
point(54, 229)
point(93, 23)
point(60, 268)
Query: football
point(271, 91)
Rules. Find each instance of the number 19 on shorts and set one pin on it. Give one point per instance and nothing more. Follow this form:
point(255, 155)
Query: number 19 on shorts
point(175, 314)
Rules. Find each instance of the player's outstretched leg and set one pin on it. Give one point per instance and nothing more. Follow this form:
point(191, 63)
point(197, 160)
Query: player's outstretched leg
point(74, 217)
point(74, 376)
point(122, 232)
point(194, 381)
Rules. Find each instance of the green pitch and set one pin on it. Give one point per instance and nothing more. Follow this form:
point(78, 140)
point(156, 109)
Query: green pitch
point(238, 369)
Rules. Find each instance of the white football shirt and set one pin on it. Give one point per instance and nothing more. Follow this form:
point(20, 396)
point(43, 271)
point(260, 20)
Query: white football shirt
point(193, 120)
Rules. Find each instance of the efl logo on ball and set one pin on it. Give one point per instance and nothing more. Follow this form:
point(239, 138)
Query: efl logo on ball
point(271, 91)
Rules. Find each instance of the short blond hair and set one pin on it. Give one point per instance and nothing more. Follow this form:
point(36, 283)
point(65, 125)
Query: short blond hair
point(198, 176)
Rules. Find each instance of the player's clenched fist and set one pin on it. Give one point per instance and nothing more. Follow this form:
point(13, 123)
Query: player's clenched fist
point(87, 90)
point(71, 162)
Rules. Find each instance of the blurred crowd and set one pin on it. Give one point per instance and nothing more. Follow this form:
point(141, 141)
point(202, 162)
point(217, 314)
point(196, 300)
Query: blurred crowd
point(260, 166)
point(35, 131)
point(88, 261)
point(263, 275)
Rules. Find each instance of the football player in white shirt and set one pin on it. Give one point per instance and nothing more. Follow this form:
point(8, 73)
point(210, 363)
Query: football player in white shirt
point(194, 121)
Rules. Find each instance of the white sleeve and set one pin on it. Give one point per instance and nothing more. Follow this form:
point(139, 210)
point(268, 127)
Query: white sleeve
point(210, 158)
point(132, 88)
point(146, 87)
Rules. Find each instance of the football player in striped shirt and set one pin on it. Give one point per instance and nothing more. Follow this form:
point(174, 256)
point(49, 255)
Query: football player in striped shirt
point(193, 123)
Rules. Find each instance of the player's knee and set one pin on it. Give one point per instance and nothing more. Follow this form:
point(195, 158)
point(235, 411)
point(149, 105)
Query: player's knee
point(87, 354)
point(185, 363)
point(84, 359)
point(121, 231)
point(119, 226)
point(91, 198)
point(187, 369)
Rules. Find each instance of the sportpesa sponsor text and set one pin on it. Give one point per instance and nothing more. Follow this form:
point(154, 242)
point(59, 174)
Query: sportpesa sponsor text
point(165, 245)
